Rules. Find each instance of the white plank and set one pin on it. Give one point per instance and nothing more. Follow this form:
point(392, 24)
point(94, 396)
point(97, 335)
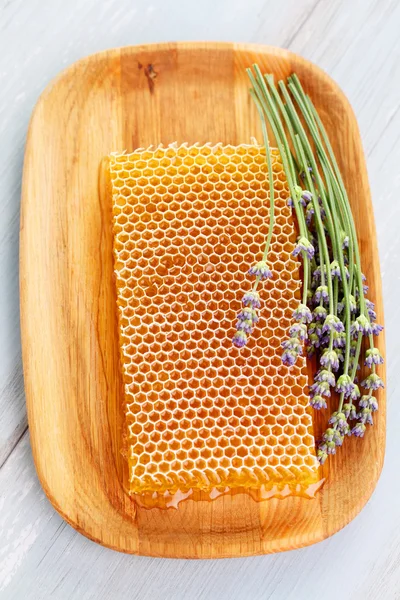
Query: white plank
point(358, 44)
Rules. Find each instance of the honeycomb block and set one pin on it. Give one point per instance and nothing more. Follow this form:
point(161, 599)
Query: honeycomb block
point(188, 223)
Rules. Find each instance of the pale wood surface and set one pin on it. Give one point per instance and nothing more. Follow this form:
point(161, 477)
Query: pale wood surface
point(357, 43)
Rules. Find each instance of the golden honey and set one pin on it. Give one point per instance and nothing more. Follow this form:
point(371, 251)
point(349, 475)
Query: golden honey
point(202, 414)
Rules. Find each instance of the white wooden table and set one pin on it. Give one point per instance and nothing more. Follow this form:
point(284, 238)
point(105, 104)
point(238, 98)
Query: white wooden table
point(358, 44)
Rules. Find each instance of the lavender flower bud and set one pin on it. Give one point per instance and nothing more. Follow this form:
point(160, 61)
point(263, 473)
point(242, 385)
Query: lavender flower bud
point(369, 402)
point(361, 325)
point(358, 430)
point(339, 435)
point(239, 339)
point(248, 314)
point(352, 303)
point(298, 330)
point(309, 213)
point(370, 308)
point(344, 385)
point(349, 411)
point(290, 202)
point(320, 388)
point(339, 340)
point(306, 197)
point(376, 329)
point(332, 323)
point(331, 446)
point(325, 375)
point(292, 344)
point(335, 269)
point(321, 293)
point(322, 454)
point(355, 392)
point(330, 359)
point(302, 314)
point(372, 382)
point(318, 402)
point(261, 270)
point(320, 313)
point(345, 240)
point(316, 277)
point(289, 357)
point(329, 435)
point(365, 416)
point(373, 357)
point(338, 418)
point(304, 245)
point(244, 325)
point(252, 299)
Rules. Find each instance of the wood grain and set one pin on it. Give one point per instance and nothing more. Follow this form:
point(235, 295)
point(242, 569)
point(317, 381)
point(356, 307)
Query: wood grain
point(68, 305)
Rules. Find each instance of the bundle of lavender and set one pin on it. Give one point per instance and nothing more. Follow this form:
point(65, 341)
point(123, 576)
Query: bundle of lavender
point(334, 315)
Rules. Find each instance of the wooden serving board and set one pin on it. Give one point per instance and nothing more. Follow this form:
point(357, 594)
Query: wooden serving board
point(124, 99)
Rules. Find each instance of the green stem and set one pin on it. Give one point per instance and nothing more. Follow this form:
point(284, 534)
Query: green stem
point(271, 183)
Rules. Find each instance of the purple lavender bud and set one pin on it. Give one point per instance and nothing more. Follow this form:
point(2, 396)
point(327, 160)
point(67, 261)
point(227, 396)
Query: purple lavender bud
point(339, 437)
point(316, 277)
point(345, 242)
point(322, 454)
point(352, 303)
point(318, 402)
point(309, 213)
point(305, 246)
point(335, 270)
point(292, 344)
point(358, 430)
point(321, 293)
point(289, 358)
point(248, 314)
point(361, 325)
point(370, 308)
point(302, 314)
point(290, 202)
point(261, 270)
point(325, 375)
point(319, 314)
point(349, 411)
point(373, 382)
point(306, 197)
point(328, 435)
point(338, 418)
point(330, 359)
point(332, 323)
point(369, 402)
point(244, 325)
point(339, 340)
point(376, 329)
point(365, 416)
point(320, 388)
point(298, 330)
point(252, 299)
point(239, 339)
point(373, 357)
point(344, 385)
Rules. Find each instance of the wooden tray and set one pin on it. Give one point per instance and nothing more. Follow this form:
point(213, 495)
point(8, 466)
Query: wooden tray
point(123, 99)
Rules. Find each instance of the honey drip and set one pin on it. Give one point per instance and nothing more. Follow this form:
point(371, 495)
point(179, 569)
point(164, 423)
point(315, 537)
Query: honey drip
point(204, 417)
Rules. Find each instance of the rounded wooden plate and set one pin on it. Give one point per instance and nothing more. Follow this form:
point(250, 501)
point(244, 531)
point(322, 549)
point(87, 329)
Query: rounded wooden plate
point(120, 100)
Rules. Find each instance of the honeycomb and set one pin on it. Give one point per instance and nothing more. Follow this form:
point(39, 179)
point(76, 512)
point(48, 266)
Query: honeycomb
point(201, 413)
